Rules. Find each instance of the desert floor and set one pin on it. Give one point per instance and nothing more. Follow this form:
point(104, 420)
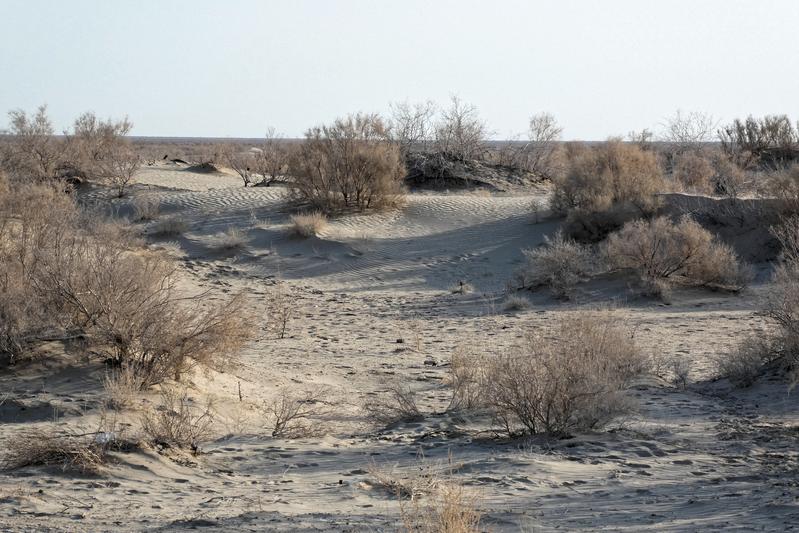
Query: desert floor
point(375, 300)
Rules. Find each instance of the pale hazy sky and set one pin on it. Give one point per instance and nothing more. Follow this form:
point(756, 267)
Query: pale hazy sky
point(235, 67)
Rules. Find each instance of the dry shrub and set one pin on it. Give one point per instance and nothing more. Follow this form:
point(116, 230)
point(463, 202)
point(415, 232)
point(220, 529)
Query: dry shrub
point(560, 265)
point(659, 249)
point(694, 172)
point(289, 414)
point(34, 151)
point(45, 447)
point(430, 499)
point(273, 159)
point(770, 141)
point(451, 508)
point(177, 422)
point(465, 378)
point(308, 225)
point(281, 309)
point(606, 184)
point(729, 179)
point(782, 297)
point(460, 133)
point(65, 275)
point(172, 226)
point(397, 403)
point(784, 185)
point(146, 208)
point(348, 165)
point(571, 378)
point(744, 363)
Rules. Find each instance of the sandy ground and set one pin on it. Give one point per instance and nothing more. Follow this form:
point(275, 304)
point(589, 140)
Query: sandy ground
point(375, 301)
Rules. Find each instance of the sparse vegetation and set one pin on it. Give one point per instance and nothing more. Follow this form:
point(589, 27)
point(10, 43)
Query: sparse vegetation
point(290, 413)
point(397, 403)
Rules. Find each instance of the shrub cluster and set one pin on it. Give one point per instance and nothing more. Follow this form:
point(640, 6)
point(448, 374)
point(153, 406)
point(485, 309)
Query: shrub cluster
point(65, 274)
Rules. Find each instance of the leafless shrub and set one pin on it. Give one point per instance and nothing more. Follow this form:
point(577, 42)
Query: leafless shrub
point(397, 403)
point(784, 185)
point(289, 414)
point(658, 249)
point(465, 379)
point(570, 379)
point(309, 224)
point(560, 265)
point(243, 163)
point(694, 172)
point(34, 151)
point(729, 179)
point(118, 167)
point(348, 165)
point(643, 139)
point(410, 126)
point(743, 363)
point(178, 422)
point(770, 141)
point(41, 447)
point(684, 131)
point(171, 226)
point(273, 159)
point(606, 185)
point(460, 133)
point(544, 132)
point(681, 371)
point(281, 309)
point(146, 208)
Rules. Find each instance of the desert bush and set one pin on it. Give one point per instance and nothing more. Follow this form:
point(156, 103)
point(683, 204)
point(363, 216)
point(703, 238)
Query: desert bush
point(770, 141)
point(273, 159)
point(685, 131)
point(515, 302)
point(348, 165)
point(281, 308)
point(465, 378)
point(289, 414)
point(178, 422)
point(694, 172)
point(45, 447)
point(659, 249)
point(460, 133)
point(117, 168)
point(146, 208)
point(742, 364)
point(560, 265)
point(569, 379)
point(242, 163)
point(605, 186)
point(784, 185)
point(171, 226)
point(34, 151)
point(397, 403)
point(410, 125)
point(728, 178)
point(309, 224)
point(543, 133)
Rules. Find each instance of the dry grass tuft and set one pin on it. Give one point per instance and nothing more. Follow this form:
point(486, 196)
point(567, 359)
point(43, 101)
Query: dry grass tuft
point(231, 240)
point(308, 225)
point(122, 387)
point(146, 208)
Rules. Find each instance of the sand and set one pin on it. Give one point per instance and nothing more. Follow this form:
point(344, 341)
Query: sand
point(375, 301)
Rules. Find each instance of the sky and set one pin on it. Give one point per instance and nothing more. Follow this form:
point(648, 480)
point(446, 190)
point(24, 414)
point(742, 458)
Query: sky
point(234, 68)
